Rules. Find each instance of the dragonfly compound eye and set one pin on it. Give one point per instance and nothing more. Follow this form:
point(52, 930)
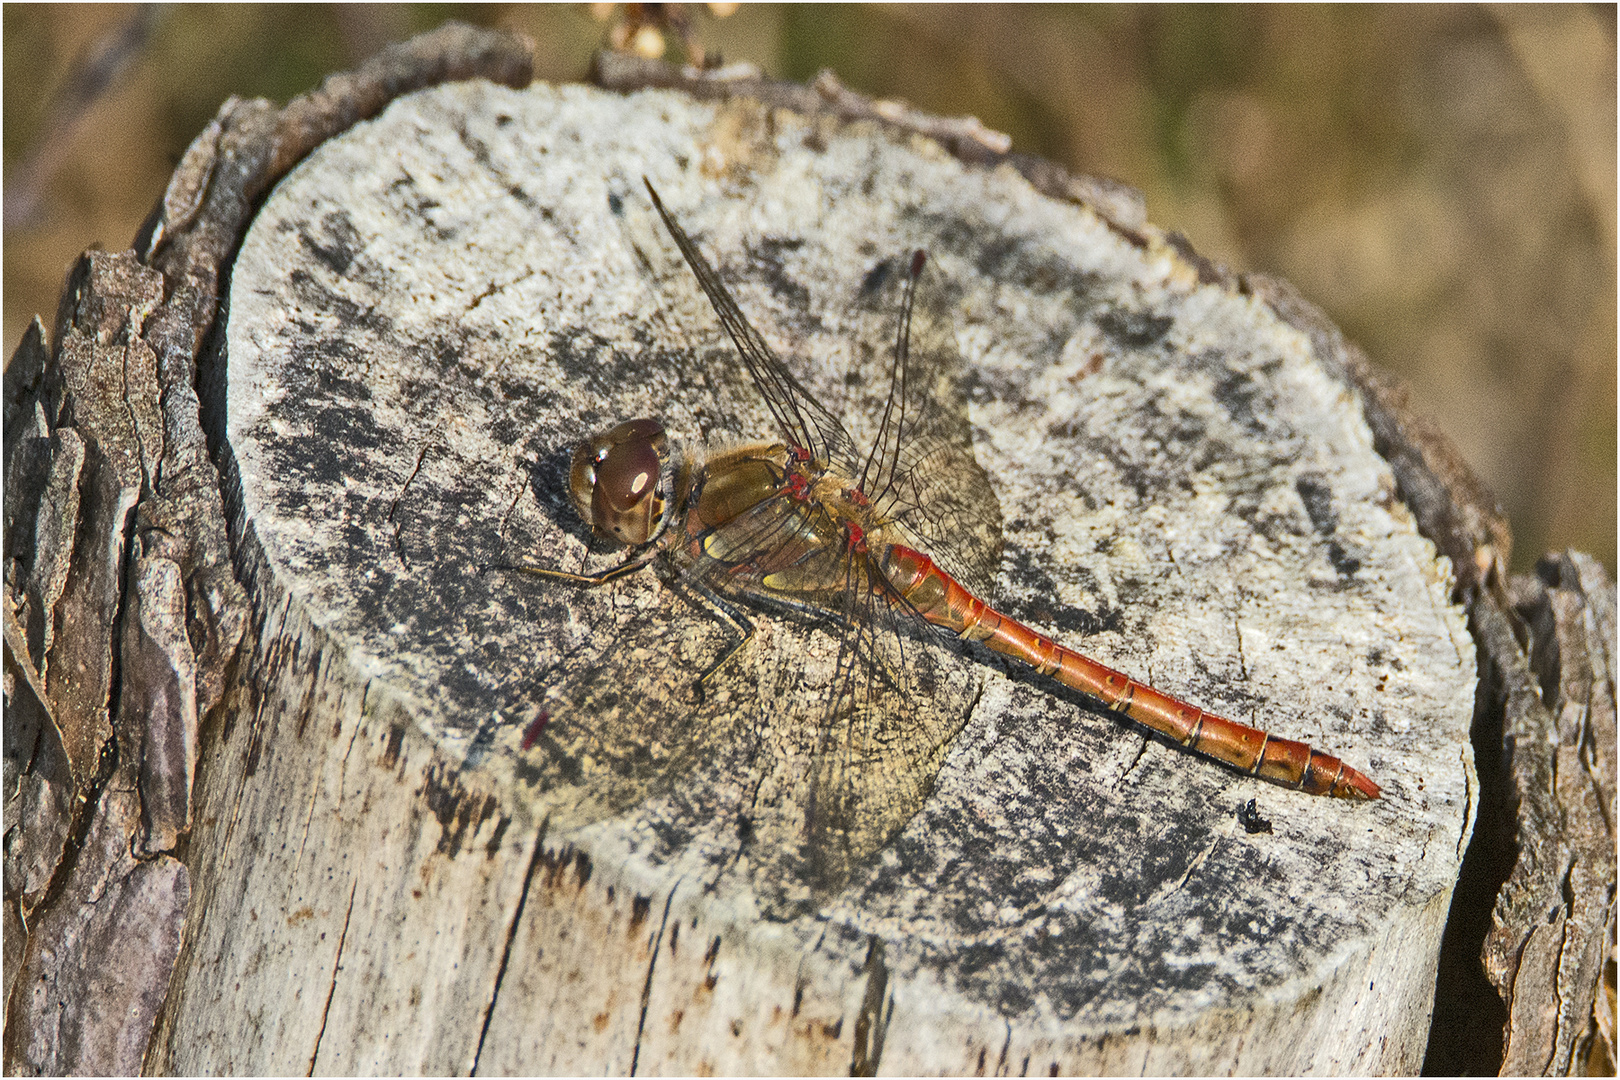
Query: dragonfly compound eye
point(615, 481)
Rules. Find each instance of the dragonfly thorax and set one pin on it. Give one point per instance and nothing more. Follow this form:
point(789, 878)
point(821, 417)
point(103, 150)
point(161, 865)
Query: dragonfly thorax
point(616, 481)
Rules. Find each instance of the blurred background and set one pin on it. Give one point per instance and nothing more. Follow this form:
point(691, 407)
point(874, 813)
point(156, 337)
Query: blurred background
point(1440, 179)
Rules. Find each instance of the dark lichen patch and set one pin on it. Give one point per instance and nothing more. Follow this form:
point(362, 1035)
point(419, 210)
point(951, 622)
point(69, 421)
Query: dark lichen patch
point(1346, 564)
point(589, 358)
point(314, 297)
point(603, 371)
point(640, 907)
point(396, 739)
point(496, 835)
point(1318, 499)
point(794, 312)
point(1317, 496)
point(460, 813)
point(351, 426)
point(1034, 589)
point(485, 157)
point(1017, 262)
point(337, 248)
point(417, 204)
point(1133, 329)
point(324, 474)
point(875, 280)
point(1247, 397)
point(553, 864)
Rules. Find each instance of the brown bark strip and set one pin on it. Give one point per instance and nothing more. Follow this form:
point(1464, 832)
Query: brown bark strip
point(1553, 927)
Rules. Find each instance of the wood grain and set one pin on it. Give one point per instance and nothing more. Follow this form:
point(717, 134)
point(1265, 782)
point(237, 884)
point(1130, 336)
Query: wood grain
point(425, 318)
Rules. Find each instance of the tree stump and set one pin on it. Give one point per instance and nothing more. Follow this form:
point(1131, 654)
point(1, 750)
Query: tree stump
point(1200, 483)
point(433, 309)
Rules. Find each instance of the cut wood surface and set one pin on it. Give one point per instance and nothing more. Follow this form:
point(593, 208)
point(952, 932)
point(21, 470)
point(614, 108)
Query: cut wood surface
point(355, 864)
point(430, 312)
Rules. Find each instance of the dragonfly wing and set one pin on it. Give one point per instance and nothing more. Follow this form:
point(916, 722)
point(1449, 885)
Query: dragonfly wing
point(816, 742)
point(862, 702)
point(867, 710)
point(927, 481)
point(621, 716)
point(804, 421)
point(943, 499)
point(897, 702)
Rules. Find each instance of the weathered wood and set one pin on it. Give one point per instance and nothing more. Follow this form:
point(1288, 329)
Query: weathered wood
point(1541, 639)
point(124, 613)
point(380, 900)
point(429, 313)
point(1553, 926)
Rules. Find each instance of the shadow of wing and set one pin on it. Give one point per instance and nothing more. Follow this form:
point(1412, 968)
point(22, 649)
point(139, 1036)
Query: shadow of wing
point(623, 716)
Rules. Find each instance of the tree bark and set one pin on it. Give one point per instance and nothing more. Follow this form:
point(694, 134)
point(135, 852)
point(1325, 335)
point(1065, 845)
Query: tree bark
point(1550, 950)
point(384, 871)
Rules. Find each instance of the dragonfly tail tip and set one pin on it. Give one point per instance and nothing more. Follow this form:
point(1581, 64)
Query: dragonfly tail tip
point(1353, 785)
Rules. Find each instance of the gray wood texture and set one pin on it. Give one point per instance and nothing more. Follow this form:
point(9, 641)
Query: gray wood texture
point(1201, 483)
point(432, 310)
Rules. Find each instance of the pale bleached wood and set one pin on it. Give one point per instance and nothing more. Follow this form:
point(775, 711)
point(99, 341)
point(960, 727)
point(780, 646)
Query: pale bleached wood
point(438, 304)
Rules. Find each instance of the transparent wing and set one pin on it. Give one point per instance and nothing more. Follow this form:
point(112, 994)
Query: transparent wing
point(930, 484)
point(818, 740)
point(802, 419)
point(883, 701)
point(897, 702)
point(926, 479)
point(621, 717)
point(942, 498)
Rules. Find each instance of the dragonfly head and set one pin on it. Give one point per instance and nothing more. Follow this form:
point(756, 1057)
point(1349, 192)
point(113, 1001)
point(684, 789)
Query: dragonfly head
point(616, 483)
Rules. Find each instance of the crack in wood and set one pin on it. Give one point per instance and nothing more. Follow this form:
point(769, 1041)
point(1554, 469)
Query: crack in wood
point(331, 988)
point(1243, 662)
point(536, 853)
point(1141, 749)
point(1561, 979)
point(646, 987)
point(1181, 882)
point(872, 1022)
point(393, 507)
point(517, 494)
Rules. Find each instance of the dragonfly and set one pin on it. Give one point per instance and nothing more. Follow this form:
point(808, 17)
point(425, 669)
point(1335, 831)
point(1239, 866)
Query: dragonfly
point(885, 550)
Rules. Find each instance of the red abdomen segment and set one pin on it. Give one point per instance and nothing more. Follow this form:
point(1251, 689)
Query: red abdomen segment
point(939, 599)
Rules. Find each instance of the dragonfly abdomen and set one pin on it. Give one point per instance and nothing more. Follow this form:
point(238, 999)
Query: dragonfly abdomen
point(937, 597)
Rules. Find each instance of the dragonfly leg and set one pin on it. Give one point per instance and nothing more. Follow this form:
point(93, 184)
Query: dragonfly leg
point(734, 617)
point(587, 580)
